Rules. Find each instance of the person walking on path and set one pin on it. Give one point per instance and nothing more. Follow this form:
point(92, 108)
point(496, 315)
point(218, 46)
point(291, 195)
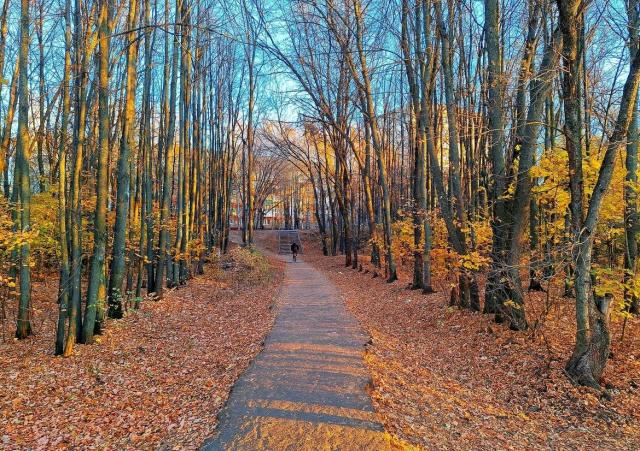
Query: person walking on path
point(294, 250)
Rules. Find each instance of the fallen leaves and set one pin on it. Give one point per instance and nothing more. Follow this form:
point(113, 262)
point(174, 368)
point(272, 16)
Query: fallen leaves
point(154, 380)
point(446, 378)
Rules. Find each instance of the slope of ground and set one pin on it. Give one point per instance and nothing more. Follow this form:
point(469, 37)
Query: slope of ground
point(451, 379)
point(155, 380)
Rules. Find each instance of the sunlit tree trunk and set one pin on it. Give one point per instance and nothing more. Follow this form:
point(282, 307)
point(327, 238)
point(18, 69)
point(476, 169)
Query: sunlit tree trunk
point(124, 172)
point(182, 237)
point(368, 198)
point(75, 213)
point(249, 189)
point(632, 223)
point(145, 141)
point(540, 86)
point(96, 291)
point(3, 45)
point(63, 292)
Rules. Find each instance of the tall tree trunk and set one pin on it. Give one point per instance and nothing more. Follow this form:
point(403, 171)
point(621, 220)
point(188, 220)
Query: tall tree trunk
point(632, 223)
point(368, 199)
point(249, 191)
point(23, 329)
point(593, 337)
point(370, 115)
point(167, 183)
point(124, 172)
point(494, 296)
point(519, 205)
point(75, 213)
point(63, 292)
point(42, 177)
point(96, 291)
point(145, 140)
point(184, 162)
point(3, 45)
point(417, 145)
point(468, 291)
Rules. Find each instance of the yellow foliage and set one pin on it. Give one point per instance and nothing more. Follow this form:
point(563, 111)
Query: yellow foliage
point(403, 241)
point(43, 237)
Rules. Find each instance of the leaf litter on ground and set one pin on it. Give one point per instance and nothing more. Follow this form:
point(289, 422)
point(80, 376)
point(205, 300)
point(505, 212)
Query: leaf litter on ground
point(154, 380)
point(446, 378)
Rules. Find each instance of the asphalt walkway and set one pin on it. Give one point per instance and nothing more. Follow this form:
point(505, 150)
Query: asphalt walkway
point(308, 388)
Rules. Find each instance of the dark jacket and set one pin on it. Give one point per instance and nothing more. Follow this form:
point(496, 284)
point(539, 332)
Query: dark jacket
point(295, 247)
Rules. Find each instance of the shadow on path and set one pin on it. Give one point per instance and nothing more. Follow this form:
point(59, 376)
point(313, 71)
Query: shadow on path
point(307, 388)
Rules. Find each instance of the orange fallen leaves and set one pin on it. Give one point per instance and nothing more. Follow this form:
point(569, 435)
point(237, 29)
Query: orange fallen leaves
point(157, 379)
point(445, 378)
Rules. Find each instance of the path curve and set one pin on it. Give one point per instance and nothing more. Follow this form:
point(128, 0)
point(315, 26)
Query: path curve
point(308, 388)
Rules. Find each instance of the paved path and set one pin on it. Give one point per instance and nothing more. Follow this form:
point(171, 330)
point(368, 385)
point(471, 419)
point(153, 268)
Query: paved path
point(307, 388)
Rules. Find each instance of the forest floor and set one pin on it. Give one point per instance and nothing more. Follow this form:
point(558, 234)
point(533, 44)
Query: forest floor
point(154, 380)
point(445, 378)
